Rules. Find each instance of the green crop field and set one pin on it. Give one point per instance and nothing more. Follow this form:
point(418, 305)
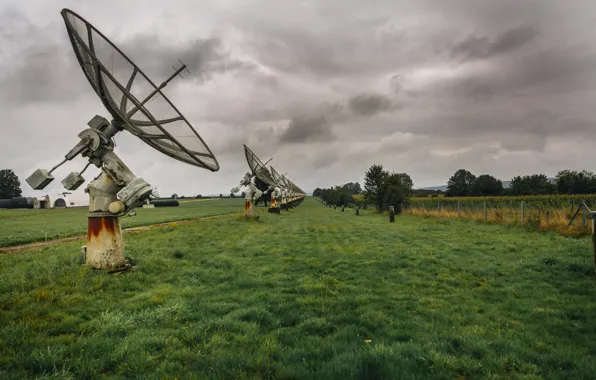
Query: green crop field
point(22, 226)
point(313, 293)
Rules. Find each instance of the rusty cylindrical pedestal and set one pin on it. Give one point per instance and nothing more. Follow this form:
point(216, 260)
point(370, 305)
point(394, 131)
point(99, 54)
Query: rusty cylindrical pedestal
point(104, 249)
point(274, 209)
point(248, 208)
point(249, 203)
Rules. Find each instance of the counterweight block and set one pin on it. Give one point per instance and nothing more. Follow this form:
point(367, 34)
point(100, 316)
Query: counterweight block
point(39, 179)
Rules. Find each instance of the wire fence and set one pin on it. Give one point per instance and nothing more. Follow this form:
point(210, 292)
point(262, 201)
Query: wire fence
point(537, 214)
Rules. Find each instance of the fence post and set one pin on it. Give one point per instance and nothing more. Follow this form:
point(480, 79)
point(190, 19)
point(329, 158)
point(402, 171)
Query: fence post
point(584, 221)
point(438, 208)
point(593, 216)
point(485, 211)
point(458, 209)
point(522, 209)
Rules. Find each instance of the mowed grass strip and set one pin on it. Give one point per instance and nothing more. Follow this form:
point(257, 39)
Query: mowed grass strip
point(22, 226)
point(312, 293)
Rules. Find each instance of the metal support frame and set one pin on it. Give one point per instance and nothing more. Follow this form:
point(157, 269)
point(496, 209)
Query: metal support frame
point(583, 207)
point(115, 192)
point(251, 195)
point(284, 199)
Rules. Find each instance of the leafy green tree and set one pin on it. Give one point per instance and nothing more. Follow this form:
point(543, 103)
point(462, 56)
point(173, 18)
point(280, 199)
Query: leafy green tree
point(343, 196)
point(353, 187)
point(374, 185)
point(405, 181)
point(535, 184)
point(10, 186)
point(339, 195)
point(398, 188)
point(460, 184)
point(574, 182)
point(174, 196)
point(564, 181)
point(487, 185)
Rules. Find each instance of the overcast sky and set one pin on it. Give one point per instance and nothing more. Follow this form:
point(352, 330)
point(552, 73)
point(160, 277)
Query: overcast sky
point(327, 88)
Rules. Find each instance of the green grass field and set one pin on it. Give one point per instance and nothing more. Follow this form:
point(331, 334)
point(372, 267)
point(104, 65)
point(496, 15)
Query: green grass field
point(23, 226)
point(312, 293)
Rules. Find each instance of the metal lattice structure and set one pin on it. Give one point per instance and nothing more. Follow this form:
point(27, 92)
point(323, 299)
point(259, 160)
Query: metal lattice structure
point(292, 196)
point(134, 101)
point(258, 168)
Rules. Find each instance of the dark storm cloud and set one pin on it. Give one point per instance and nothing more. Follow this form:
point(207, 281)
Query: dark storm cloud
point(34, 67)
point(43, 68)
point(357, 50)
point(369, 104)
point(203, 57)
point(482, 47)
point(307, 128)
point(533, 75)
point(501, 87)
point(325, 159)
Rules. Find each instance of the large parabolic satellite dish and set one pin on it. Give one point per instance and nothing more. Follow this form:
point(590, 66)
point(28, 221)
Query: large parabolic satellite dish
point(137, 105)
point(258, 168)
point(134, 101)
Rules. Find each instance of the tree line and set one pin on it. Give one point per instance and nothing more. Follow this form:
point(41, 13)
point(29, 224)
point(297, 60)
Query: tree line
point(465, 184)
point(381, 189)
point(339, 195)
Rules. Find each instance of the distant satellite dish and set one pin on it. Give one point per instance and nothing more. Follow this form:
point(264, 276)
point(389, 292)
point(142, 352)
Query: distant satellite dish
point(285, 194)
point(138, 106)
point(295, 195)
point(252, 193)
point(260, 171)
point(258, 168)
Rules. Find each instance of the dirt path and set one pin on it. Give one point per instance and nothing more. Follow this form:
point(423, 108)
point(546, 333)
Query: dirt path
point(130, 229)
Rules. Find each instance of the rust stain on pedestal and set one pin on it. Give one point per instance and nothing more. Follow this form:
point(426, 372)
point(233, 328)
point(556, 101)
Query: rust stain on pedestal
point(104, 243)
point(96, 225)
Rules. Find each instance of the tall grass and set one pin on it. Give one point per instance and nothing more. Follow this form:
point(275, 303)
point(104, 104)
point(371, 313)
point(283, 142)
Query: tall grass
point(544, 213)
point(553, 201)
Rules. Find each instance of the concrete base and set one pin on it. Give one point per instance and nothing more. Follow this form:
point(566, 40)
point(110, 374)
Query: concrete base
point(274, 210)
